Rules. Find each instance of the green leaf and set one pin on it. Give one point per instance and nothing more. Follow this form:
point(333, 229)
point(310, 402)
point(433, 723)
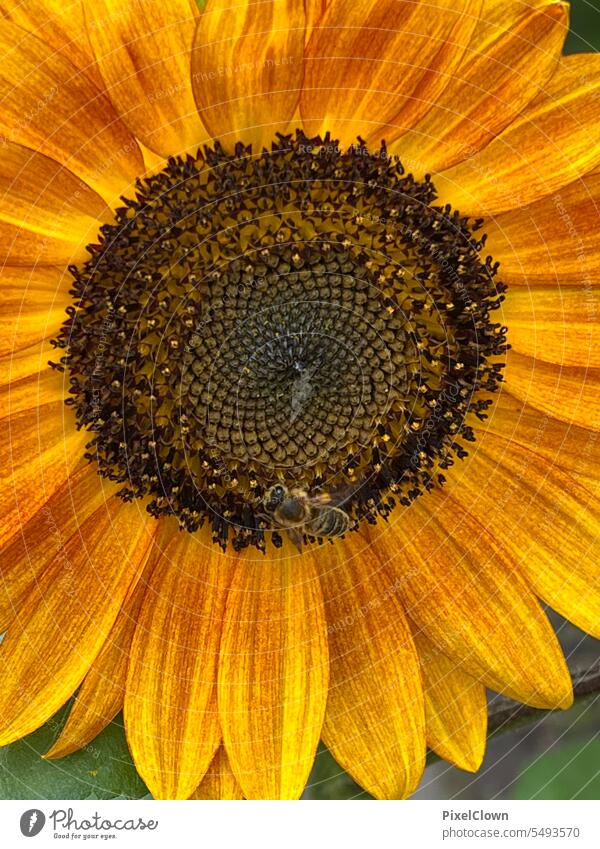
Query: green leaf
point(565, 772)
point(103, 770)
point(329, 781)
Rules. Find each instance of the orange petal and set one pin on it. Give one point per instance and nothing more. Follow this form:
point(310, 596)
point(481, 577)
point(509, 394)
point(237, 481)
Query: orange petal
point(455, 708)
point(58, 23)
point(575, 449)
point(102, 693)
point(470, 599)
point(26, 363)
point(314, 9)
point(513, 52)
point(66, 619)
point(47, 216)
point(374, 723)
point(219, 782)
point(35, 544)
point(33, 391)
point(247, 68)
point(68, 118)
point(273, 675)
point(170, 704)
point(567, 393)
point(548, 523)
point(560, 325)
point(374, 67)
point(32, 305)
point(144, 55)
point(551, 240)
point(38, 451)
point(551, 144)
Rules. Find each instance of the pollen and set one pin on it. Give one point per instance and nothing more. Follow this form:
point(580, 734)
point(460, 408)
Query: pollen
point(306, 316)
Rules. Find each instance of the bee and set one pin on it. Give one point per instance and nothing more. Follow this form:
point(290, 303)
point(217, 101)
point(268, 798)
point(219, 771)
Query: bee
point(300, 514)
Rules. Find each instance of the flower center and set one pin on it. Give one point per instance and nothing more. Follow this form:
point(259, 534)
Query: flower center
point(282, 343)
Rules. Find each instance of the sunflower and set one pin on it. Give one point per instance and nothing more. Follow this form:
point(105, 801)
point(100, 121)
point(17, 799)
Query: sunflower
point(300, 379)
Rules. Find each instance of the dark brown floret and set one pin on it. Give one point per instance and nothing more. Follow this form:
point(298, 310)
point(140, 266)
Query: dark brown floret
point(306, 316)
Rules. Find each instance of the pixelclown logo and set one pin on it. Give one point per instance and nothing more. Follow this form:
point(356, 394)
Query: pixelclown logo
point(32, 822)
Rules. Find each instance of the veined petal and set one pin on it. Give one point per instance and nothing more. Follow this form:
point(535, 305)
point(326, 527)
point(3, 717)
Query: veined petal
point(375, 68)
point(32, 305)
point(31, 392)
point(34, 545)
point(60, 25)
point(39, 450)
point(470, 599)
point(273, 675)
point(455, 707)
point(68, 118)
point(247, 68)
point(143, 49)
point(513, 52)
point(64, 622)
point(26, 362)
point(551, 144)
point(47, 215)
point(314, 10)
point(568, 393)
point(374, 722)
point(554, 524)
point(574, 449)
point(552, 239)
point(219, 781)
point(170, 703)
point(553, 323)
point(102, 694)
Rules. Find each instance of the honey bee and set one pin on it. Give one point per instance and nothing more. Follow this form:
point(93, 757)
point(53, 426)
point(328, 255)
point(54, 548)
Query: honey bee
point(300, 514)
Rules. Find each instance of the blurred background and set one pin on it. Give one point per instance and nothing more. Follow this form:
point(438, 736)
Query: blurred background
point(555, 756)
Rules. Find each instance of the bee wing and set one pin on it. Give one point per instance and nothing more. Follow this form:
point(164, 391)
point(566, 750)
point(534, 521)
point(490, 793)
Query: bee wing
point(336, 497)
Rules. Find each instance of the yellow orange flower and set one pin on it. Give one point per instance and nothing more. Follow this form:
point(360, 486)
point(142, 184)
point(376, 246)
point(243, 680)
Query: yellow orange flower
point(330, 317)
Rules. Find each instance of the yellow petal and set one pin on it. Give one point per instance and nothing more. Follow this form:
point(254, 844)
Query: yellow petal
point(315, 9)
point(553, 323)
point(455, 707)
point(374, 67)
point(548, 522)
point(33, 391)
point(170, 704)
point(68, 118)
point(67, 617)
point(26, 362)
point(38, 451)
point(551, 144)
point(575, 449)
point(32, 305)
point(469, 598)
point(374, 722)
point(144, 55)
point(551, 240)
point(47, 215)
point(102, 693)
point(219, 781)
point(60, 24)
point(513, 52)
point(34, 545)
point(567, 393)
point(247, 68)
point(273, 675)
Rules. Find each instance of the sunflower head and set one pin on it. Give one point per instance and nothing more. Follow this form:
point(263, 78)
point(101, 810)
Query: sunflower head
point(307, 316)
